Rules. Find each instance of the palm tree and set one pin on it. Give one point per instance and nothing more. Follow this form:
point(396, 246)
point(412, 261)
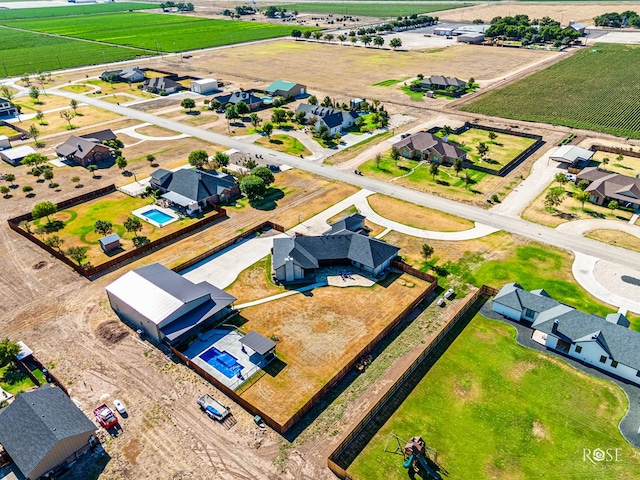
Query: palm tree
point(342, 37)
point(457, 166)
point(433, 170)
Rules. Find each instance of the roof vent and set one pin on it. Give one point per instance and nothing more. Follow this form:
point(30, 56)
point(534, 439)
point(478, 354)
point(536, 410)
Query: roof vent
point(594, 337)
point(79, 147)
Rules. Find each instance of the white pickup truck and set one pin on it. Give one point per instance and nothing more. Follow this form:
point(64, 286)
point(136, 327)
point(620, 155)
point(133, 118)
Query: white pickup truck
point(212, 407)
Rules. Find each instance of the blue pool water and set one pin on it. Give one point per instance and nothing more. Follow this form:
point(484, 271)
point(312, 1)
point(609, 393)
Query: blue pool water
point(224, 362)
point(157, 216)
point(267, 99)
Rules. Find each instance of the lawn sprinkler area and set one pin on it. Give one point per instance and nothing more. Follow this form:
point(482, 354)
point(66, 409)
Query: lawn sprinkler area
point(156, 215)
point(494, 409)
point(220, 353)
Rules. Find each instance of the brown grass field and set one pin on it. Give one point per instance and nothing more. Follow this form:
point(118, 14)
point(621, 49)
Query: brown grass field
point(262, 62)
point(155, 131)
point(562, 12)
point(318, 334)
point(416, 215)
point(169, 154)
point(571, 209)
point(254, 282)
point(617, 238)
point(86, 117)
point(627, 166)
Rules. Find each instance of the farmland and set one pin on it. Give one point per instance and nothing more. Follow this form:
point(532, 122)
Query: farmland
point(390, 9)
point(168, 33)
point(569, 93)
point(484, 382)
point(22, 52)
point(50, 12)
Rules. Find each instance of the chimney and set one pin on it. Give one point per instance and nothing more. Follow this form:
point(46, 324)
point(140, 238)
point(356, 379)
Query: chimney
point(554, 329)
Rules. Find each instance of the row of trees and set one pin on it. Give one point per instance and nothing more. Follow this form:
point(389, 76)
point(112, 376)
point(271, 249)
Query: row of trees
point(366, 39)
point(201, 159)
point(617, 20)
point(181, 6)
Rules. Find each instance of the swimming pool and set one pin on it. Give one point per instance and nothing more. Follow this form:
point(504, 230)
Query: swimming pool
point(267, 100)
point(224, 362)
point(157, 216)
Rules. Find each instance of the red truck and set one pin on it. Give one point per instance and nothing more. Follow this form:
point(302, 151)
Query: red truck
point(105, 416)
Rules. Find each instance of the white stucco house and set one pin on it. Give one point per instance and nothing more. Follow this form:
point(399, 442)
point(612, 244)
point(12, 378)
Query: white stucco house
point(606, 343)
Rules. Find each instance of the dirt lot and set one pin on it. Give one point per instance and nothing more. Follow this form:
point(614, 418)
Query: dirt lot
point(562, 12)
point(318, 334)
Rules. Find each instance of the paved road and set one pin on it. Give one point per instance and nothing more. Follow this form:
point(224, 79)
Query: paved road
point(517, 226)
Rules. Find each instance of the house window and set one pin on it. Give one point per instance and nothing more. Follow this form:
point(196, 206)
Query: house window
point(578, 348)
point(603, 359)
point(614, 364)
point(529, 313)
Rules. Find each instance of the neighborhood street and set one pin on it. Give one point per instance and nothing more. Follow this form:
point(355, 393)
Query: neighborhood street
point(551, 236)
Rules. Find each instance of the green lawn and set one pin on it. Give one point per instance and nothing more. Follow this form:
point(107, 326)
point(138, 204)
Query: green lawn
point(284, 143)
point(28, 52)
point(502, 149)
point(389, 9)
point(568, 93)
point(388, 83)
point(532, 266)
point(163, 33)
point(14, 381)
point(494, 409)
point(73, 10)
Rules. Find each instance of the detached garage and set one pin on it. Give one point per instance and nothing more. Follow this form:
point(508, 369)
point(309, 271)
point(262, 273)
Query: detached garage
point(204, 86)
point(165, 305)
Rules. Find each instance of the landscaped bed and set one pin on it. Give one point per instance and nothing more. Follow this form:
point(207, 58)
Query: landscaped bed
point(318, 333)
point(494, 409)
point(115, 207)
point(15, 381)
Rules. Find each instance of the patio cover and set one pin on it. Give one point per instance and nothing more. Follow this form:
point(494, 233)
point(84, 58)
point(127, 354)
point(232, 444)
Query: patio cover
point(258, 343)
point(178, 199)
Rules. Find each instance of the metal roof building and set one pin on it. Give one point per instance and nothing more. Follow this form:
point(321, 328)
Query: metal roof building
point(570, 154)
point(164, 304)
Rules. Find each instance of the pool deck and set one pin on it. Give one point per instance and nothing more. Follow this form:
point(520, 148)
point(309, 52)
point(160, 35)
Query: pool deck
point(225, 341)
point(167, 211)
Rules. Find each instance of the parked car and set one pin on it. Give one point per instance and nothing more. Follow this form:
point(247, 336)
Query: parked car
point(273, 167)
point(570, 176)
point(119, 407)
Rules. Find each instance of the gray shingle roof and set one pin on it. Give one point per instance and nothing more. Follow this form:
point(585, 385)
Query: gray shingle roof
point(161, 83)
point(78, 147)
point(309, 251)
point(258, 343)
point(421, 141)
point(441, 81)
point(247, 97)
point(196, 185)
point(100, 136)
point(512, 295)
point(36, 421)
point(352, 223)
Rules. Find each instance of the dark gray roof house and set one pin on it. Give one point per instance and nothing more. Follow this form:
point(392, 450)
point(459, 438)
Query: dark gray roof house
point(297, 258)
point(441, 83)
point(126, 74)
point(83, 150)
point(606, 343)
point(336, 120)
point(161, 84)
point(351, 223)
point(253, 102)
point(186, 186)
point(606, 186)
point(42, 429)
point(426, 146)
point(100, 136)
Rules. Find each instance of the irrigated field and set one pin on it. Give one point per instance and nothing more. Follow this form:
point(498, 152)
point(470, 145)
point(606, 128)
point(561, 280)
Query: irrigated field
point(26, 52)
point(168, 33)
point(50, 12)
point(482, 408)
point(390, 9)
point(595, 89)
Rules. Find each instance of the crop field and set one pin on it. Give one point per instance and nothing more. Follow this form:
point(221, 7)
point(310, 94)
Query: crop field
point(493, 409)
point(50, 12)
point(26, 52)
point(390, 9)
point(168, 33)
point(576, 93)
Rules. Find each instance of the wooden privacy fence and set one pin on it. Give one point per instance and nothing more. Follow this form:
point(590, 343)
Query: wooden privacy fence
point(333, 460)
point(605, 148)
point(14, 224)
point(282, 428)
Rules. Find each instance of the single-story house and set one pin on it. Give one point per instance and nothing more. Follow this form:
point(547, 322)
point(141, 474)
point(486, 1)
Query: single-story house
point(110, 243)
point(253, 102)
point(606, 343)
point(4, 142)
point(7, 109)
point(204, 86)
point(297, 258)
point(15, 155)
point(83, 151)
point(194, 189)
point(578, 27)
point(161, 84)
point(100, 136)
point(127, 74)
point(335, 120)
point(438, 82)
point(350, 223)
point(606, 186)
point(164, 304)
point(571, 154)
point(282, 88)
point(426, 146)
point(43, 431)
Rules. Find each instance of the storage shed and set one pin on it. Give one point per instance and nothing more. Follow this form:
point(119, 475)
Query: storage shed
point(204, 86)
point(110, 243)
point(15, 155)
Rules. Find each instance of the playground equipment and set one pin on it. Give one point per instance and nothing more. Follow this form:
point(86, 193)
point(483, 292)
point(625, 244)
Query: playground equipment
point(417, 455)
